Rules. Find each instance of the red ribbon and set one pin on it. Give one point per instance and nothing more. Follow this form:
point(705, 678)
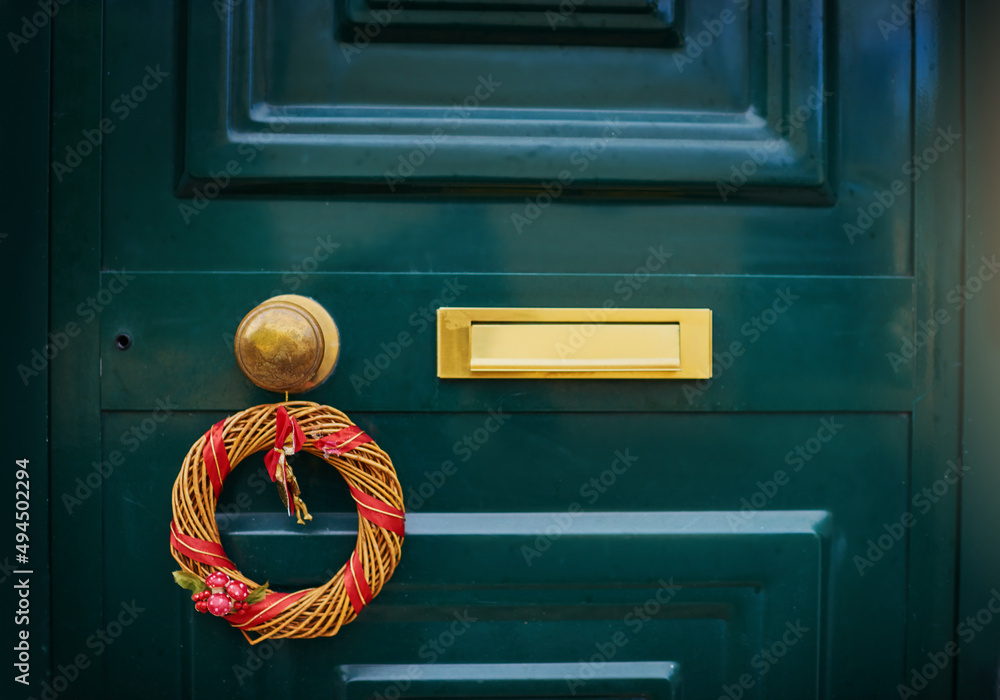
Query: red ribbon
point(342, 441)
point(357, 587)
point(379, 512)
point(202, 551)
point(216, 459)
point(372, 509)
point(384, 516)
point(257, 614)
point(276, 457)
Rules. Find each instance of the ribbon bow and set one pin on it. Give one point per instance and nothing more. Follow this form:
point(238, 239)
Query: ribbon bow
point(275, 459)
point(342, 441)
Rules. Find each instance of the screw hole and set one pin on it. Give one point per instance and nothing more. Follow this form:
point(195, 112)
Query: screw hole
point(123, 341)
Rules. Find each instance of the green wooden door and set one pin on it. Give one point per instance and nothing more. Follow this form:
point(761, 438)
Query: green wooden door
point(784, 529)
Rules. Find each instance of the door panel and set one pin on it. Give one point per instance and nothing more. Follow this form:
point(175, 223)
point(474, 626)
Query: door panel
point(388, 351)
point(224, 133)
point(542, 515)
point(557, 586)
point(333, 110)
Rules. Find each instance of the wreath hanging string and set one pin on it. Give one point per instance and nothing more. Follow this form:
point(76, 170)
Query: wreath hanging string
point(218, 586)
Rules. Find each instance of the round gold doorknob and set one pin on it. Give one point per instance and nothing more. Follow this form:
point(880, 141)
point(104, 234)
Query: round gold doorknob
point(288, 343)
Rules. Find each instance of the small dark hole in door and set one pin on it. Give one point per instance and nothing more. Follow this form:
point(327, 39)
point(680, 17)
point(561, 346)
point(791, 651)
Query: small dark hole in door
point(123, 341)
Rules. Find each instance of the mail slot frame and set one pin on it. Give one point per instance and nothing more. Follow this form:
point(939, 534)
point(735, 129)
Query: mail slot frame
point(454, 351)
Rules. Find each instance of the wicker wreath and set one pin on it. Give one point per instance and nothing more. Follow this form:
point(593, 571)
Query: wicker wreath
point(194, 533)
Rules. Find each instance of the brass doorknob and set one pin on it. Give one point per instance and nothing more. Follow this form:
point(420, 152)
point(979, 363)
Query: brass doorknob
point(287, 343)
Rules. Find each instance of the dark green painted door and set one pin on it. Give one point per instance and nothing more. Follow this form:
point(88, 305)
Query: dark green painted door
point(786, 529)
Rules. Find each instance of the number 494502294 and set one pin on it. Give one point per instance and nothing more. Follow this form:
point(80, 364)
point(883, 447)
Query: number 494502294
point(22, 500)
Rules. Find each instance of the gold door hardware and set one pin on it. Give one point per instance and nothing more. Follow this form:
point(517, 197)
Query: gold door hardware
point(289, 343)
point(508, 343)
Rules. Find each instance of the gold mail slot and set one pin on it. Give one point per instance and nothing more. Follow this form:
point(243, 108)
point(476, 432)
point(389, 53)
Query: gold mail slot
point(498, 343)
point(574, 347)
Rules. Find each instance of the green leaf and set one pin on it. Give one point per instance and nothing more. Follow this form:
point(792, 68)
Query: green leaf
point(189, 581)
point(257, 594)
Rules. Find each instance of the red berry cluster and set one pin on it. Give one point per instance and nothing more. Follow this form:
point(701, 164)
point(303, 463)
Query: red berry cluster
point(224, 596)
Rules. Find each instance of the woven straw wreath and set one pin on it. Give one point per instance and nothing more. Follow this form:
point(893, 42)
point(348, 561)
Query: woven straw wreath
point(331, 436)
